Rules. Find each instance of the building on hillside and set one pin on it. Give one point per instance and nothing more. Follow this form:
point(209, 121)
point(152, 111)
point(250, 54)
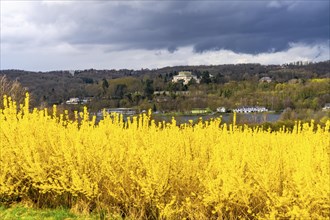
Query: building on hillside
point(169, 93)
point(76, 101)
point(86, 100)
point(221, 109)
point(265, 79)
point(200, 111)
point(185, 76)
point(73, 101)
point(250, 109)
point(326, 107)
point(122, 111)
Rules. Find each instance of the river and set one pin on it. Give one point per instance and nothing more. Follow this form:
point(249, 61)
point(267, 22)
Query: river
point(225, 117)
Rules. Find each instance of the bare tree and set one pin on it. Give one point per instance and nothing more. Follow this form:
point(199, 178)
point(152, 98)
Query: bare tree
point(11, 88)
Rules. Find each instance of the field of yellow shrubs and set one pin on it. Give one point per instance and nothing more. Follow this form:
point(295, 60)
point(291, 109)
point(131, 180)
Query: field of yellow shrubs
point(143, 170)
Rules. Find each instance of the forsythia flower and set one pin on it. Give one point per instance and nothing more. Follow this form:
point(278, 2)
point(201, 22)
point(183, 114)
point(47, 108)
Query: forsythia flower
point(142, 170)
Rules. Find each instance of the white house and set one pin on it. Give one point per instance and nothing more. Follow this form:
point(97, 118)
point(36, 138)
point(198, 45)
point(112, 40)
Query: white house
point(265, 79)
point(73, 101)
point(122, 111)
point(250, 109)
point(221, 109)
point(185, 76)
point(86, 100)
point(326, 107)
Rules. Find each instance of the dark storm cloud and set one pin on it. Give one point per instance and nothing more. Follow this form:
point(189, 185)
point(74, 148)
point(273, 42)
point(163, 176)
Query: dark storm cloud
point(241, 26)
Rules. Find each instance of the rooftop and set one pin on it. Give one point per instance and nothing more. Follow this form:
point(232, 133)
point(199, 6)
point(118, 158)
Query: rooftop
point(184, 73)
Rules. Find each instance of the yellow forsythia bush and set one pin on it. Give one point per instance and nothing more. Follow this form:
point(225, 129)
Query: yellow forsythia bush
point(144, 170)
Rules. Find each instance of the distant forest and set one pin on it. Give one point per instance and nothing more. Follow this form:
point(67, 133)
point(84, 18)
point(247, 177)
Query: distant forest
point(292, 86)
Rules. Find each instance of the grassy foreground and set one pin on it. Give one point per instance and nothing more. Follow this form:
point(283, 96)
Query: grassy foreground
point(20, 213)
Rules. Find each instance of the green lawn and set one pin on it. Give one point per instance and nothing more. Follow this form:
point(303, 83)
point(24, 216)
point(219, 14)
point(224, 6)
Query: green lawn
point(24, 213)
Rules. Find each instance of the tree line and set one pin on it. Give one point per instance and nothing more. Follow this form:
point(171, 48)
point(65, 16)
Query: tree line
point(291, 86)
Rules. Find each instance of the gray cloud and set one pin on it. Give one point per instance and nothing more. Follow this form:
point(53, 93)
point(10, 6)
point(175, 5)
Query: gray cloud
point(241, 26)
point(246, 27)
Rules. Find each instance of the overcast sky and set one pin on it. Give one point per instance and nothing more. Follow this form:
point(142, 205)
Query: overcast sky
point(69, 35)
